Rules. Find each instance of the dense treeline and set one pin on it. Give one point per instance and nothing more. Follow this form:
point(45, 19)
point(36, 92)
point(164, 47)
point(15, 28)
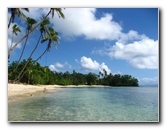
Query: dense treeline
point(34, 73)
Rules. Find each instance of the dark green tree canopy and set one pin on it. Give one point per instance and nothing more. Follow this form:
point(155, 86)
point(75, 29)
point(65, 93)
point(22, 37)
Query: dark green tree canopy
point(34, 73)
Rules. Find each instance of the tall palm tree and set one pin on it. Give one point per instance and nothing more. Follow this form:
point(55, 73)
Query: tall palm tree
point(43, 29)
point(30, 22)
point(18, 12)
point(52, 37)
point(60, 14)
point(15, 30)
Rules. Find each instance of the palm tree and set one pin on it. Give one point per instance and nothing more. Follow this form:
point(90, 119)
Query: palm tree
point(30, 22)
point(100, 73)
point(105, 73)
point(52, 37)
point(15, 30)
point(43, 29)
point(60, 14)
point(18, 12)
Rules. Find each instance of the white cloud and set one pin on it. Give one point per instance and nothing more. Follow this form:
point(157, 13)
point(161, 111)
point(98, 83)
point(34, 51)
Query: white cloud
point(90, 65)
point(53, 68)
point(141, 54)
point(132, 35)
point(82, 21)
point(57, 66)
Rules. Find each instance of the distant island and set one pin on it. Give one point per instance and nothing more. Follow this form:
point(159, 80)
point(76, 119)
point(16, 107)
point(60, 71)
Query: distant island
point(36, 74)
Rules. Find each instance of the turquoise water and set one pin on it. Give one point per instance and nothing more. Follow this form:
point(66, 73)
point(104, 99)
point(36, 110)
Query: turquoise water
point(120, 104)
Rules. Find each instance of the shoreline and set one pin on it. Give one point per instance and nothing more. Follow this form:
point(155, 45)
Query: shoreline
point(19, 91)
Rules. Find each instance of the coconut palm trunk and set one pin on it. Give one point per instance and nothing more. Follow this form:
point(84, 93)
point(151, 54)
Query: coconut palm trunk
point(22, 53)
point(29, 57)
point(23, 72)
point(30, 22)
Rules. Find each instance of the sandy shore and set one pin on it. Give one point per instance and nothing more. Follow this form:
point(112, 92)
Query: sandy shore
point(17, 91)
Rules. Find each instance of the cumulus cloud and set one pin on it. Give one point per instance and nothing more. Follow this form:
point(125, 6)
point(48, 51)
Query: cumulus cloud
point(141, 54)
point(132, 35)
point(57, 66)
point(90, 65)
point(53, 68)
point(82, 21)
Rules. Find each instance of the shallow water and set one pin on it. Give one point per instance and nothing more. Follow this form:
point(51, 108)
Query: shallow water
point(120, 104)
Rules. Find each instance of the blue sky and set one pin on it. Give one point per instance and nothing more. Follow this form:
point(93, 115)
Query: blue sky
point(120, 40)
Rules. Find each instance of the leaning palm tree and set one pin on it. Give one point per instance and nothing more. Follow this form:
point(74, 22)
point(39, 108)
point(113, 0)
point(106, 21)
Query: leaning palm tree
point(51, 37)
point(30, 22)
point(15, 30)
point(18, 12)
point(51, 11)
point(43, 29)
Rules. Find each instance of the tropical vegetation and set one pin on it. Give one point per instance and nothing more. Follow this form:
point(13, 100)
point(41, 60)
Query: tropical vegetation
point(34, 73)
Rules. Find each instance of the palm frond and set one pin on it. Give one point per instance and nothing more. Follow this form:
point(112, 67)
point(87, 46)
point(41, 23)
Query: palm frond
point(59, 12)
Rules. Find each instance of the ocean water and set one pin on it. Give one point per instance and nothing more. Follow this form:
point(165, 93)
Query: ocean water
point(105, 104)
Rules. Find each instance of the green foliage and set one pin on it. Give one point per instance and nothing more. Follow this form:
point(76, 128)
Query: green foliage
point(15, 29)
point(36, 74)
point(91, 79)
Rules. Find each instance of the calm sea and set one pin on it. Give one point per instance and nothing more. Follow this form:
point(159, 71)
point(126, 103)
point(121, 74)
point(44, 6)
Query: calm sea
point(109, 104)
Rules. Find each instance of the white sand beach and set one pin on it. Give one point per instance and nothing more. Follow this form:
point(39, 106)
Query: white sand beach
point(16, 91)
